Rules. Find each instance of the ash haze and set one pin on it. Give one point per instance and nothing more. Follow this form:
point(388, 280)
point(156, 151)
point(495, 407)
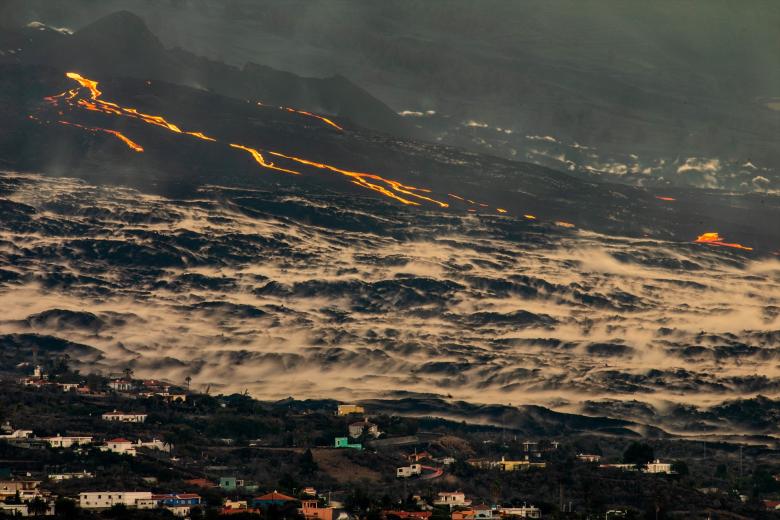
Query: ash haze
point(566, 204)
point(477, 308)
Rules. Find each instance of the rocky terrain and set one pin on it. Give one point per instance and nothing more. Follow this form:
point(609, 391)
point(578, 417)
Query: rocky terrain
point(189, 231)
point(282, 293)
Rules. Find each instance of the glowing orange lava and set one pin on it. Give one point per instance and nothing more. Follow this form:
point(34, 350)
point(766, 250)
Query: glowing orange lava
point(714, 239)
point(361, 179)
point(530, 217)
point(309, 114)
point(667, 199)
point(406, 194)
point(94, 129)
point(201, 135)
point(261, 160)
point(562, 223)
point(86, 83)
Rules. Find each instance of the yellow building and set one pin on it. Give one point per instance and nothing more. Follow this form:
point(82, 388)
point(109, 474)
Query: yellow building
point(346, 409)
point(515, 465)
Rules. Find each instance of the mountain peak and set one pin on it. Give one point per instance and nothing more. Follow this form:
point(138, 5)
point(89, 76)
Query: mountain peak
point(122, 30)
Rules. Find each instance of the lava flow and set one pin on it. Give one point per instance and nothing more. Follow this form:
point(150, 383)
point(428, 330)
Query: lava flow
point(564, 224)
point(359, 178)
point(129, 142)
point(257, 156)
point(307, 114)
point(396, 190)
point(95, 104)
point(714, 239)
point(390, 188)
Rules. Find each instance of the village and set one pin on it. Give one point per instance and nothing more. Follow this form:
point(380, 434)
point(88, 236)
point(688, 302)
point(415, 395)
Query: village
point(119, 443)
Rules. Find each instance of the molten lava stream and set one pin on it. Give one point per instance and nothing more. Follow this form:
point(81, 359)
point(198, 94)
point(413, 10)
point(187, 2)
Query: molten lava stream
point(409, 195)
point(360, 178)
point(257, 156)
point(306, 114)
point(714, 239)
point(315, 116)
point(94, 129)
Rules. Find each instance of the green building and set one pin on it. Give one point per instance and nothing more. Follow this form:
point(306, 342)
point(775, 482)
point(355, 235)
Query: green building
point(343, 442)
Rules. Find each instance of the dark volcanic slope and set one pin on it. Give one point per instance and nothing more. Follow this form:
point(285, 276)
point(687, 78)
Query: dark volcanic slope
point(120, 44)
point(40, 135)
point(662, 93)
point(289, 292)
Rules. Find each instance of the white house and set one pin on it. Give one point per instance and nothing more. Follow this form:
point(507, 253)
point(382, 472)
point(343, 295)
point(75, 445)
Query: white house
point(452, 499)
point(522, 512)
point(484, 512)
point(154, 444)
point(120, 446)
point(125, 447)
point(124, 417)
point(14, 509)
point(121, 385)
point(17, 435)
point(67, 442)
point(412, 470)
point(23, 509)
point(658, 467)
point(70, 476)
point(356, 429)
point(107, 499)
point(588, 457)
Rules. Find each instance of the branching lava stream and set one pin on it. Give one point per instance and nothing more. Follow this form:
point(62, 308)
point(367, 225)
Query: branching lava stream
point(393, 189)
point(88, 96)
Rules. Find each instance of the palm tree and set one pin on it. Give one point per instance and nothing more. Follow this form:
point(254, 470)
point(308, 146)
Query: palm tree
point(37, 507)
point(188, 380)
point(128, 373)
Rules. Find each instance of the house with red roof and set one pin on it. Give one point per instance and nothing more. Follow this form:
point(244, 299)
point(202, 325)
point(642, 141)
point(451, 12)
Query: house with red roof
point(406, 515)
point(311, 510)
point(772, 505)
point(273, 498)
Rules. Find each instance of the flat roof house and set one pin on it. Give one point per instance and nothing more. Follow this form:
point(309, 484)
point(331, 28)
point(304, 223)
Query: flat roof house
point(452, 499)
point(124, 417)
point(108, 499)
point(59, 441)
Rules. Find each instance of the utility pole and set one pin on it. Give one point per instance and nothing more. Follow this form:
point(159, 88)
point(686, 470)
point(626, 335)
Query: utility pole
point(560, 499)
point(740, 461)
